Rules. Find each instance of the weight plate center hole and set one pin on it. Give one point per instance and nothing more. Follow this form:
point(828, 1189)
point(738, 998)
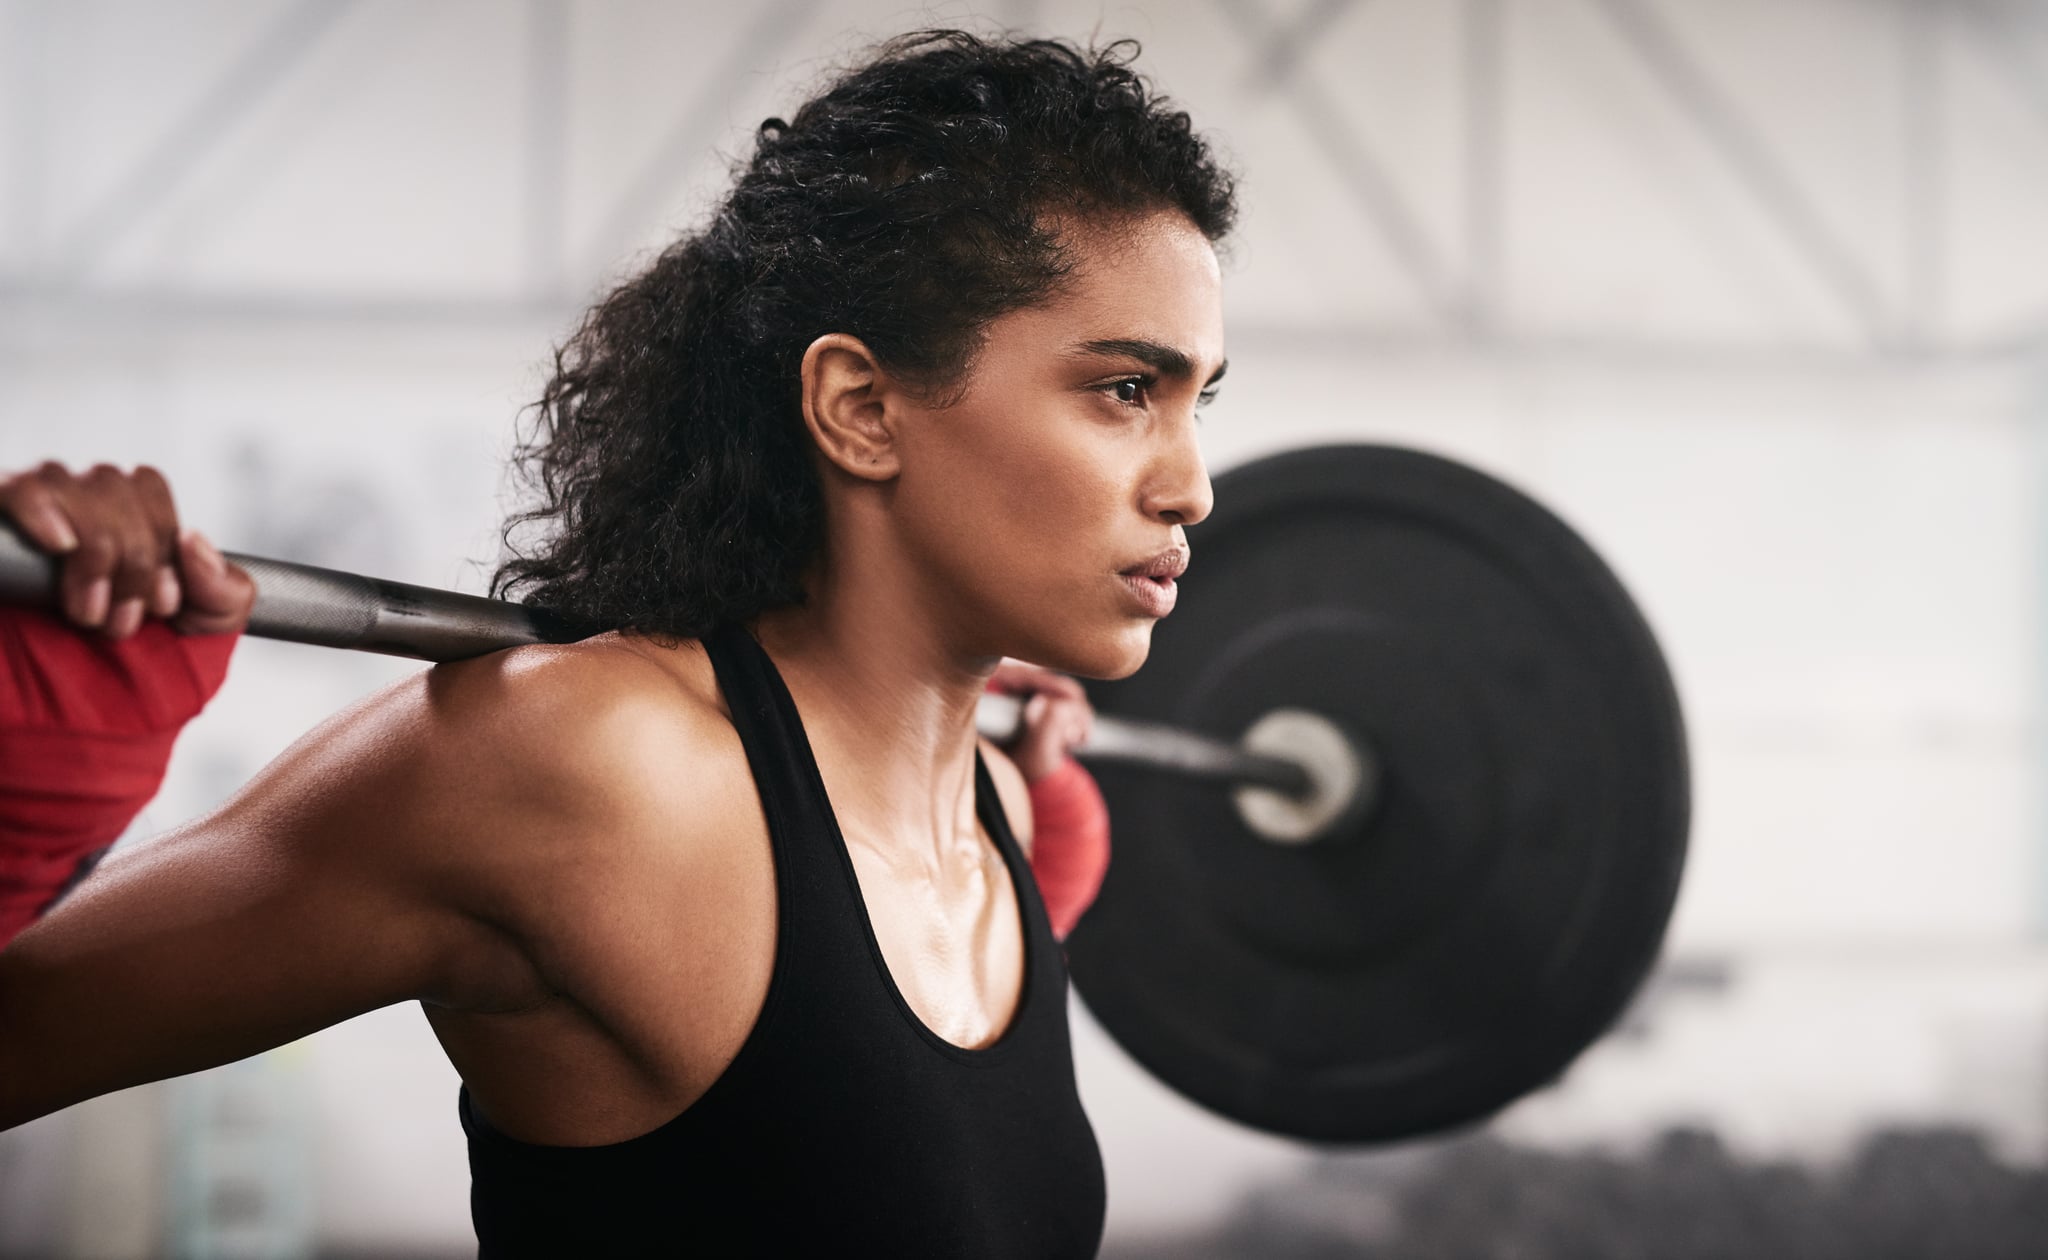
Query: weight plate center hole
point(1342, 778)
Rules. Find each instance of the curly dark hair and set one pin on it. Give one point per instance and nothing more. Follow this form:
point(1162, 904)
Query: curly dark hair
point(910, 203)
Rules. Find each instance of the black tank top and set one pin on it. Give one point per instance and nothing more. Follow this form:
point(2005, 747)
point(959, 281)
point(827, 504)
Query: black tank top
point(844, 1126)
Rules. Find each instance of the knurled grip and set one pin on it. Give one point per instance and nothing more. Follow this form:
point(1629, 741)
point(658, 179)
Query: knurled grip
point(304, 604)
point(300, 603)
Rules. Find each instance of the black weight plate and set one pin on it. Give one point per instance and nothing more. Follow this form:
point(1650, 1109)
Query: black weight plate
point(1508, 893)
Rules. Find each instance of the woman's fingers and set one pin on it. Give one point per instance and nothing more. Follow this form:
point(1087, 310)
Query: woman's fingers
point(218, 595)
point(139, 506)
point(115, 534)
point(86, 584)
point(34, 508)
point(45, 504)
point(1018, 677)
point(109, 580)
point(1057, 717)
point(161, 592)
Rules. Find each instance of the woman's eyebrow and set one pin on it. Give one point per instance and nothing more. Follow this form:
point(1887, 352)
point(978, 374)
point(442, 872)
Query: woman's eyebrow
point(1162, 358)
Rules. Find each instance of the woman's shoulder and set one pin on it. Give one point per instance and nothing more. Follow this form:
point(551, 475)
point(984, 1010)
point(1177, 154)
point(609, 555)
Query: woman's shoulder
point(573, 783)
point(615, 719)
point(525, 760)
point(552, 690)
point(545, 778)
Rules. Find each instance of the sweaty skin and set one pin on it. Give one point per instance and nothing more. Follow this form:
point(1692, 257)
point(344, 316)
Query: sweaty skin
point(560, 851)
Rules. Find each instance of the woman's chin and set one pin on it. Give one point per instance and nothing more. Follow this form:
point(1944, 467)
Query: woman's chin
point(1114, 656)
point(1102, 652)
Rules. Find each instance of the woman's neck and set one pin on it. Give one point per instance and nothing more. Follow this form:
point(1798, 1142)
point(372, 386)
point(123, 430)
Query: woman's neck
point(892, 699)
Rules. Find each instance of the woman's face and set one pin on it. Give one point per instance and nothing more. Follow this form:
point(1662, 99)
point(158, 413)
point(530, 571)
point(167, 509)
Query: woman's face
point(1069, 453)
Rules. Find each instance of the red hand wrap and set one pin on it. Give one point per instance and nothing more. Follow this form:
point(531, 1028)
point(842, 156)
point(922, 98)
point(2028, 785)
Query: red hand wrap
point(1069, 844)
point(86, 726)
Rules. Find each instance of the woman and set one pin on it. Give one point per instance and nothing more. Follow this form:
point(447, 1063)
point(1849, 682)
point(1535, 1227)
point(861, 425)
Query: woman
point(720, 918)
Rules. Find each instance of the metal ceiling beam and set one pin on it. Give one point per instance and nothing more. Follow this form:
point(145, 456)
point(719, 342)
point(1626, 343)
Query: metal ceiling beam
point(186, 142)
point(2003, 44)
point(1361, 173)
point(1286, 46)
point(1471, 307)
point(1751, 160)
point(162, 315)
point(547, 146)
point(1485, 182)
point(1924, 151)
point(690, 139)
point(26, 57)
point(1998, 35)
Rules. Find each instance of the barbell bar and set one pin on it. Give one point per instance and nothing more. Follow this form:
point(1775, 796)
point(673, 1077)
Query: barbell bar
point(303, 603)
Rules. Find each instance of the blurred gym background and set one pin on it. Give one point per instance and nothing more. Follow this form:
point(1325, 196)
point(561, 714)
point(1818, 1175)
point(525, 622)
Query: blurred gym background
point(1752, 292)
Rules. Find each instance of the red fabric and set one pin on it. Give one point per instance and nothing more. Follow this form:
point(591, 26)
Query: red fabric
point(1069, 844)
point(86, 726)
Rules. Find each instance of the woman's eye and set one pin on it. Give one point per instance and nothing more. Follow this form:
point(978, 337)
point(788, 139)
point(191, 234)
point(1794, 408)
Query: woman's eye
point(1131, 391)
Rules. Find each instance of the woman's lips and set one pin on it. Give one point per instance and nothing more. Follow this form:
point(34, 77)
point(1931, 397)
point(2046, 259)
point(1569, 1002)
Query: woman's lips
point(1154, 595)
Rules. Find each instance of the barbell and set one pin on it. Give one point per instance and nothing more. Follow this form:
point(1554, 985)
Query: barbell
point(1457, 789)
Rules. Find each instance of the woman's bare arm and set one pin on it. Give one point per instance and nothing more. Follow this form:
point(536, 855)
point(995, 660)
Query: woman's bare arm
point(399, 851)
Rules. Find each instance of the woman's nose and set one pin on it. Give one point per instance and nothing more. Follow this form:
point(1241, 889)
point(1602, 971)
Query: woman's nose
point(1181, 493)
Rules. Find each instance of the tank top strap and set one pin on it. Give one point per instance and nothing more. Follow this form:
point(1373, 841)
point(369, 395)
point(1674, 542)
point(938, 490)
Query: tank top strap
point(765, 717)
point(1038, 937)
point(817, 888)
point(820, 915)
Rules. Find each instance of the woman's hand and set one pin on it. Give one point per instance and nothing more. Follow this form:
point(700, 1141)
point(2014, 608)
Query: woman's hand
point(92, 698)
point(123, 556)
point(1057, 716)
point(1069, 848)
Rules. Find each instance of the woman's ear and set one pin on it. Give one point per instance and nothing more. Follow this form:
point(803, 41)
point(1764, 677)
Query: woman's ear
point(845, 404)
